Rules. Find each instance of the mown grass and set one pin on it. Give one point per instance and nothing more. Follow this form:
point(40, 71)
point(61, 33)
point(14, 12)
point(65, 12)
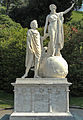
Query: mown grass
point(6, 100)
point(76, 101)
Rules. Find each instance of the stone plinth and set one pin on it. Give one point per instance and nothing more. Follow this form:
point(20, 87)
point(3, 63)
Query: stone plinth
point(41, 98)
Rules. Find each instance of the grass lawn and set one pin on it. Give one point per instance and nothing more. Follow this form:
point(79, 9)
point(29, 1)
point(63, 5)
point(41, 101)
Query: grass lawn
point(76, 101)
point(6, 100)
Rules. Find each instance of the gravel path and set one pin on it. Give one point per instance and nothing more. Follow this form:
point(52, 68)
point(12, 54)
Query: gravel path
point(77, 113)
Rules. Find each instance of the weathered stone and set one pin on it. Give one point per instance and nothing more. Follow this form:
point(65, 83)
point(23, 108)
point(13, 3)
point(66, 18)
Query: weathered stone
point(40, 98)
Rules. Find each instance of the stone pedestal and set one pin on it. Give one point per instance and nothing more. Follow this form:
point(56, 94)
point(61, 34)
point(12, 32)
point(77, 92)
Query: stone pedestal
point(41, 99)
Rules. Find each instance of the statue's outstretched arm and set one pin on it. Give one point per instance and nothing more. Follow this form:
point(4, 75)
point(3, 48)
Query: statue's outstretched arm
point(46, 24)
point(66, 11)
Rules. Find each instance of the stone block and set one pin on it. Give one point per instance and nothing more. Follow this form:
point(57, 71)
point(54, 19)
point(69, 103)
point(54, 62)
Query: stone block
point(40, 98)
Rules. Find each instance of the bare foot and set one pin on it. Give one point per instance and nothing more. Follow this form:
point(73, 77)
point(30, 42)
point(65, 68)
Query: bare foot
point(36, 76)
point(53, 55)
point(25, 75)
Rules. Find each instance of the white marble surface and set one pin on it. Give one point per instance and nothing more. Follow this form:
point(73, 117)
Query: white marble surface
point(40, 81)
point(54, 26)
point(40, 97)
point(24, 116)
point(33, 49)
point(53, 67)
point(40, 114)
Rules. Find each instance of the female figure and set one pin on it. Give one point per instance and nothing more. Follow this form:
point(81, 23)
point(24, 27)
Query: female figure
point(54, 22)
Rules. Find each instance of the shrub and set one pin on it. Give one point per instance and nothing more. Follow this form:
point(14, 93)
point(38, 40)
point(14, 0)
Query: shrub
point(73, 53)
point(2, 10)
point(12, 51)
point(77, 20)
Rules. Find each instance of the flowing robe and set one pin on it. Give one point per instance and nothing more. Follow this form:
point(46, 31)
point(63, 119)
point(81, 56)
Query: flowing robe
point(33, 45)
point(55, 30)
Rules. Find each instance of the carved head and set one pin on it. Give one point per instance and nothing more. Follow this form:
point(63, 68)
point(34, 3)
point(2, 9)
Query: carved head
point(34, 24)
point(52, 7)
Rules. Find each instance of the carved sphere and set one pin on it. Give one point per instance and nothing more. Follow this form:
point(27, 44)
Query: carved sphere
point(53, 67)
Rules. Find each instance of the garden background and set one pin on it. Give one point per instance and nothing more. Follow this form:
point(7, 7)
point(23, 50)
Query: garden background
point(15, 17)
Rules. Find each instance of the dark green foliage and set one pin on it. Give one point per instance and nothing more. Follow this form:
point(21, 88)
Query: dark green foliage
point(37, 9)
point(12, 51)
point(73, 53)
point(77, 20)
point(2, 10)
point(24, 11)
point(78, 4)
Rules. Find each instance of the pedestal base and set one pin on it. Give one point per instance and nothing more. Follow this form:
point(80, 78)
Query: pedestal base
point(41, 99)
point(41, 116)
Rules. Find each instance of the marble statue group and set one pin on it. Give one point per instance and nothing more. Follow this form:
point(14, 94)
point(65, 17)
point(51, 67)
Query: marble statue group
point(51, 62)
point(46, 96)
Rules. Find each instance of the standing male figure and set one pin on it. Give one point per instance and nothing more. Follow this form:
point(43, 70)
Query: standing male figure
point(33, 50)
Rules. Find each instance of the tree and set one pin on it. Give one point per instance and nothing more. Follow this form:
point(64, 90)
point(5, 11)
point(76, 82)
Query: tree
point(5, 3)
point(37, 9)
point(12, 51)
point(23, 11)
point(78, 4)
point(9, 4)
point(73, 53)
